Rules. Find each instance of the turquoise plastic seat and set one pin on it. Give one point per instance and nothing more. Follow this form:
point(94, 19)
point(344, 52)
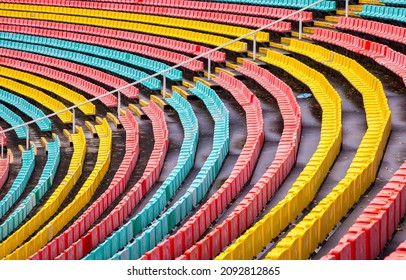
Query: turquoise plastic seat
point(31, 200)
point(23, 43)
point(384, 12)
point(19, 184)
point(13, 120)
point(27, 108)
point(166, 191)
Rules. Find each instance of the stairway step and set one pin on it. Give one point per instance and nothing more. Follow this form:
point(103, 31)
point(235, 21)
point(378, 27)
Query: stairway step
point(350, 13)
point(251, 55)
point(332, 19)
point(206, 74)
point(183, 91)
point(231, 72)
point(304, 35)
point(160, 101)
point(11, 158)
point(143, 103)
point(372, 2)
point(91, 128)
point(355, 8)
point(206, 82)
point(309, 30)
point(187, 83)
point(275, 45)
point(285, 40)
point(67, 135)
point(114, 120)
point(241, 60)
point(138, 112)
point(324, 24)
point(231, 65)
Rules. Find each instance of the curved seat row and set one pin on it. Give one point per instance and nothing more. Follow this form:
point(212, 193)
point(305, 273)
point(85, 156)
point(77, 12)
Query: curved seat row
point(367, 237)
point(120, 69)
point(69, 79)
point(172, 32)
point(170, 12)
point(252, 204)
point(296, 4)
point(13, 120)
point(383, 13)
point(239, 176)
point(148, 64)
point(196, 191)
point(394, 2)
point(266, 11)
point(376, 28)
point(59, 90)
point(106, 54)
point(83, 196)
point(214, 28)
point(75, 248)
point(33, 198)
point(140, 38)
point(93, 212)
point(24, 106)
point(312, 230)
point(54, 201)
point(37, 95)
point(20, 182)
point(382, 54)
point(168, 188)
point(307, 184)
point(78, 69)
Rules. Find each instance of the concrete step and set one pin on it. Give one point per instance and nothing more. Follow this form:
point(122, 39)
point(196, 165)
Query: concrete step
point(183, 91)
point(332, 19)
point(240, 60)
point(355, 8)
point(309, 30)
point(138, 112)
point(285, 40)
point(206, 74)
point(230, 72)
point(275, 45)
point(231, 65)
point(206, 82)
point(324, 24)
point(350, 13)
point(304, 35)
point(371, 2)
point(160, 101)
point(187, 83)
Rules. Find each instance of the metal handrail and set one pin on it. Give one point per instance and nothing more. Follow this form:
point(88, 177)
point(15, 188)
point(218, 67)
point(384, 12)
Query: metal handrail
point(163, 72)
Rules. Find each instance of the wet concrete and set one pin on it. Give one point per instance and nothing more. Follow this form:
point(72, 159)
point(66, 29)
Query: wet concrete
point(394, 156)
point(273, 129)
point(353, 129)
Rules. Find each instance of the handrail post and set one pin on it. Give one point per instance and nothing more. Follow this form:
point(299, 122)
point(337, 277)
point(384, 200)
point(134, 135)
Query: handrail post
point(300, 25)
point(164, 84)
point(118, 103)
point(27, 143)
point(73, 121)
point(2, 143)
point(208, 67)
point(346, 7)
point(254, 47)
point(163, 72)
